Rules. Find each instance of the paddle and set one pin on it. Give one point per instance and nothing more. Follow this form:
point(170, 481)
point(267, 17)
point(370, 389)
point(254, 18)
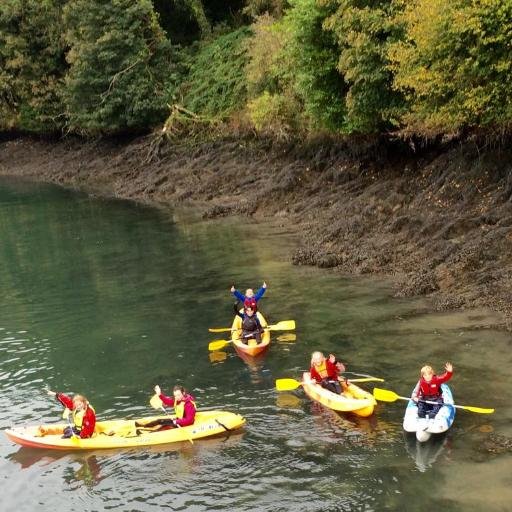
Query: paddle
point(289, 384)
point(218, 344)
point(74, 437)
point(361, 375)
point(65, 415)
point(385, 395)
point(156, 403)
point(284, 325)
point(345, 372)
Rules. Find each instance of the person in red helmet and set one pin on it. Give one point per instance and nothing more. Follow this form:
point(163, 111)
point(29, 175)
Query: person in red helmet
point(251, 326)
point(250, 302)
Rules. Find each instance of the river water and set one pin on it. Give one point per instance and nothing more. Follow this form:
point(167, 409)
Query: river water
point(109, 298)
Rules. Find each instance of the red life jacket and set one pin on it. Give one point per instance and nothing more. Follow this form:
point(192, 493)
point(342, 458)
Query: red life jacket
point(251, 303)
point(432, 388)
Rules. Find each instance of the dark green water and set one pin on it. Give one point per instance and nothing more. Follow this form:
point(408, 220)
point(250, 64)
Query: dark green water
point(109, 298)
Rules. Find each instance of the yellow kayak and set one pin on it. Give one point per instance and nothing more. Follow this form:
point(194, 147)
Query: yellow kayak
point(253, 348)
point(353, 399)
point(123, 434)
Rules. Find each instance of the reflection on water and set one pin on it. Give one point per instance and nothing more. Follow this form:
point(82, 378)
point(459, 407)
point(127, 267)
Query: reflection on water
point(110, 298)
point(349, 427)
point(287, 337)
point(426, 454)
point(288, 400)
point(88, 472)
point(86, 467)
point(218, 356)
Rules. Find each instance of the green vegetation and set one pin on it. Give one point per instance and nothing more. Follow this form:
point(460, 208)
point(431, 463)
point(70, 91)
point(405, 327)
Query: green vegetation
point(364, 31)
point(284, 67)
point(215, 84)
point(312, 55)
point(119, 59)
point(454, 64)
point(32, 65)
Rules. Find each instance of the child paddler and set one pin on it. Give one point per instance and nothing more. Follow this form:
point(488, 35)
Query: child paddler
point(250, 298)
point(326, 371)
point(184, 409)
point(82, 413)
point(429, 388)
point(251, 326)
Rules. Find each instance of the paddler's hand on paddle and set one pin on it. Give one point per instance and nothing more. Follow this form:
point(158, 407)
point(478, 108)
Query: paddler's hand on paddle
point(343, 380)
point(233, 288)
point(448, 367)
point(264, 285)
point(158, 391)
point(306, 378)
point(340, 366)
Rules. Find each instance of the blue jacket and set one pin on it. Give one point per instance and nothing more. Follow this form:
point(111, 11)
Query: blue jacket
point(257, 295)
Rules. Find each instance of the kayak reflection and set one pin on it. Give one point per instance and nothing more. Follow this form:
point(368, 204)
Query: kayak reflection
point(89, 470)
point(425, 454)
point(352, 428)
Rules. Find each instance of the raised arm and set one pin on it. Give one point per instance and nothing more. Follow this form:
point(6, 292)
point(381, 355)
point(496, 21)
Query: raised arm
point(237, 294)
point(260, 292)
point(65, 400)
point(447, 375)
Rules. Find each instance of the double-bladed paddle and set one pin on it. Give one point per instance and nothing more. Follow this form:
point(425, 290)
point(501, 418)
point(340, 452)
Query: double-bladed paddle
point(289, 384)
point(385, 395)
point(284, 325)
point(74, 437)
point(218, 344)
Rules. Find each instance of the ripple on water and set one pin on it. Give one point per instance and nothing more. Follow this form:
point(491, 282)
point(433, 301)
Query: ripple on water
point(125, 302)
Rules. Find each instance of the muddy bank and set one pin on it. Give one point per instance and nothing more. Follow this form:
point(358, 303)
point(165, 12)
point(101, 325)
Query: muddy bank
point(438, 220)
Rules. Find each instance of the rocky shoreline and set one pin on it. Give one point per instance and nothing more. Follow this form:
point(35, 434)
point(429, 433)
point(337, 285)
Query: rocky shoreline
point(437, 219)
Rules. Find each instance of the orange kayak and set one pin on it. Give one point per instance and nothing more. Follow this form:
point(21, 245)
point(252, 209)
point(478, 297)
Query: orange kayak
point(123, 433)
point(252, 348)
point(353, 399)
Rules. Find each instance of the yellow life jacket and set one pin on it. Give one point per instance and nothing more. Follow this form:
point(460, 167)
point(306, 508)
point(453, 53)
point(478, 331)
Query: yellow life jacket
point(78, 416)
point(179, 409)
point(322, 370)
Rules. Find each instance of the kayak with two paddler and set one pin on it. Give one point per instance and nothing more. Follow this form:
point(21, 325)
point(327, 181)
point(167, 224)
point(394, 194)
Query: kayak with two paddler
point(250, 346)
point(124, 434)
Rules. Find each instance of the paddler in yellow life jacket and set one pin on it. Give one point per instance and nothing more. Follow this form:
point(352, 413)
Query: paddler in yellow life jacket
point(184, 409)
point(83, 415)
point(326, 371)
